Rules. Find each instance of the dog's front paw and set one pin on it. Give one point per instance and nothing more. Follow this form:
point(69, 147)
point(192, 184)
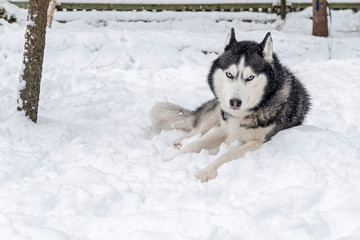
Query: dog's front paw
point(178, 145)
point(206, 174)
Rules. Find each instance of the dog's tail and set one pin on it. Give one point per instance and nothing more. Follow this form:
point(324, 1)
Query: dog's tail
point(169, 116)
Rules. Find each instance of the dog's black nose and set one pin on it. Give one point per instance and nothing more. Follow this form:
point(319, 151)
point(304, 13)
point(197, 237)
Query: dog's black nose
point(235, 103)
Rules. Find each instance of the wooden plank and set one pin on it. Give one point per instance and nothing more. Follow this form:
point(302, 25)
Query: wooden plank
point(24, 4)
point(332, 5)
point(300, 6)
point(160, 7)
point(156, 7)
point(188, 7)
point(345, 5)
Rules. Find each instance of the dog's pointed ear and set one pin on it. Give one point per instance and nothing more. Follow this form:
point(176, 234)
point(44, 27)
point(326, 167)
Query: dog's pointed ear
point(231, 39)
point(266, 48)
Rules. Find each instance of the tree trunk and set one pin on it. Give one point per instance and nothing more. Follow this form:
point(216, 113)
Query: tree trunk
point(320, 26)
point(30, 78)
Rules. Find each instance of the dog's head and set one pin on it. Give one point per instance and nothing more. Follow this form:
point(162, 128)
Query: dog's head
point(239, 77)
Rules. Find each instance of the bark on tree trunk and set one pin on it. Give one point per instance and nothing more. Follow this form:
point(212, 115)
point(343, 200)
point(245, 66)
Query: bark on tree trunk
point(320, 26)
point(30, 77)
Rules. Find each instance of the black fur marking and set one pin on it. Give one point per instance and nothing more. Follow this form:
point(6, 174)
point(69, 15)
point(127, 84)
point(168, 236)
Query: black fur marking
point(224, 115)
point(232, 39)
point(207, 106)
point(204, 108)
point(261, 46)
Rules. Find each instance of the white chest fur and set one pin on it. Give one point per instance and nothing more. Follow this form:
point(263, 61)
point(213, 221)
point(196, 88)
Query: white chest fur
point(234, 131)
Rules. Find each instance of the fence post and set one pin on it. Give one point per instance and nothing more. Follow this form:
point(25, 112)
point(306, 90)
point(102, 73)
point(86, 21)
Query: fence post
point(50, 12)
point(320, 26)
point(2, 11)
point(283, 9)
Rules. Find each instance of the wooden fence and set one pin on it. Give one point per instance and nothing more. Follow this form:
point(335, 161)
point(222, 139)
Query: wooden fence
point(282, 8)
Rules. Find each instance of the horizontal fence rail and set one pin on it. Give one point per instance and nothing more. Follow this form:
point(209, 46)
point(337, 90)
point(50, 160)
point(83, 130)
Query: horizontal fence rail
point(282, 7)
point(335, 6)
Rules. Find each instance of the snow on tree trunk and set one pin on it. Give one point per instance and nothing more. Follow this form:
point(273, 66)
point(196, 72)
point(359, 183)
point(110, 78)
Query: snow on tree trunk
point(30, 77)
point(320, 26)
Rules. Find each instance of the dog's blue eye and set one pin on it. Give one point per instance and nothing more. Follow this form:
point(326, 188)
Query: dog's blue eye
point(229, 75)
point(250, 78)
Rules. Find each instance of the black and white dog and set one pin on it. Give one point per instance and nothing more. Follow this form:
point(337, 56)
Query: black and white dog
point(255, 97)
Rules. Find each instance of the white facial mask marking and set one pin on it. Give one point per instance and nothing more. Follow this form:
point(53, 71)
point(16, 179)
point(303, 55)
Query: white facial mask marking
point(250, 93)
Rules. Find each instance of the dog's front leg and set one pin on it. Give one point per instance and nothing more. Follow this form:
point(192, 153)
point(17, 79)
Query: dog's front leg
point(210, 172)
point(212, 139)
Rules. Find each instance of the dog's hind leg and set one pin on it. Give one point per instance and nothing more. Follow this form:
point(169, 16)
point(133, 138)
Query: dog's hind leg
point(205, 121)
point(210, 172)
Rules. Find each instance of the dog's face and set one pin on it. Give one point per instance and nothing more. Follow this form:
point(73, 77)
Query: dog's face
point(239, 77)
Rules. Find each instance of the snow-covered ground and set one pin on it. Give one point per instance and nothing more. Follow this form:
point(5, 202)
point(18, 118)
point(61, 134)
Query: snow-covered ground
point(92, 168)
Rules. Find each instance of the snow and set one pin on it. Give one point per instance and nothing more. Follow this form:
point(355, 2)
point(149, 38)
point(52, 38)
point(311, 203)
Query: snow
point(92, 167)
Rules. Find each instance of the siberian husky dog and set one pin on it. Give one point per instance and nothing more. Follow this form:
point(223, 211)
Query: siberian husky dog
point(255, 97)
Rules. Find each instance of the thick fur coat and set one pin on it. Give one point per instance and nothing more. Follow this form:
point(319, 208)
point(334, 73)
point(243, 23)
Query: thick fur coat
point(255, 97)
